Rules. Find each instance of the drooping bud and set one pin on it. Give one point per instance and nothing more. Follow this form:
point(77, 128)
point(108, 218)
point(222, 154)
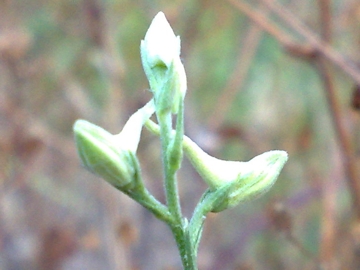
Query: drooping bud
point(160, 55)
point(248, 180)
point(100, 153)
point(112, 157)
point(258, 176)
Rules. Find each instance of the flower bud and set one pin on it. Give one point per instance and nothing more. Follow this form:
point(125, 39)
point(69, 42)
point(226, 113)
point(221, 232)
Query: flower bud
point(112, 157)
point(160, 55)
point(248, 180)
point(256, 178)
point(160, 45)
point(100, 153)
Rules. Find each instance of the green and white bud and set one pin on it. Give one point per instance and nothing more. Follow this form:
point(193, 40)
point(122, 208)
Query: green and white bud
point(248, 180)
point(112, 157)
point(100, 153)
point(160, 55)
point(258, 176)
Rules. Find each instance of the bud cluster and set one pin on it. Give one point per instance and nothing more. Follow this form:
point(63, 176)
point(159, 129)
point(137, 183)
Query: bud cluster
point(113, 157)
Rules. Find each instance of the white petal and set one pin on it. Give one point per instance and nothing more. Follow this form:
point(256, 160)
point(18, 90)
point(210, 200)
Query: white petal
point(160, 42)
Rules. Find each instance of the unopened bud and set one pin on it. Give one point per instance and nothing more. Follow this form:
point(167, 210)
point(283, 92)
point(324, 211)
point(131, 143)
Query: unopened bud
point(256, 178)
point(248, 180)
point(100, 153)
point(112, 157)
point(160, 44)
point(160, 55)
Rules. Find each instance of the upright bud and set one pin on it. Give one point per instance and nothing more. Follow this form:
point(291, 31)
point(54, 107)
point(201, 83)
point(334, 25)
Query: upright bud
point(248, 180)
point(160, 45)
point(160, 55)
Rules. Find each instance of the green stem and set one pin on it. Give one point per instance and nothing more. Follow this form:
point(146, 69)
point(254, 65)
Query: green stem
point(171, 189)
point(140, 194)
point(185, 247)
point(171, 145)
point(152, 204)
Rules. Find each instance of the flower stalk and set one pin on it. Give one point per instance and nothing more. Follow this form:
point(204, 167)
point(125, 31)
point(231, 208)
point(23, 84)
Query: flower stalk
point(113, 157)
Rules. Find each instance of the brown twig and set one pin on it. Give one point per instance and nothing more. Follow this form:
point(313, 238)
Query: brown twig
point(325, 20)
point(286, 40)
point(343, 135)
point(324, 49)
point(262, 21)
point(328, 224)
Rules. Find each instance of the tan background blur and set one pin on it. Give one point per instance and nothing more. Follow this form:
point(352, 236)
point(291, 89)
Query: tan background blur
point(250, 90)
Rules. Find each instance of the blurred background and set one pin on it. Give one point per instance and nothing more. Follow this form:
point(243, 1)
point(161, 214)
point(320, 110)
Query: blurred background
point(262, 75)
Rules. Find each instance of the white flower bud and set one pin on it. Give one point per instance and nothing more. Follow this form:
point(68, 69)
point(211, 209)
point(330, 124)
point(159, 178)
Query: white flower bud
point(160, 43)
point(160, 56)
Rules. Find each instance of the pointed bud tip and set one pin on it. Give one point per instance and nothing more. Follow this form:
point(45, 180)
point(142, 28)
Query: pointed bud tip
point(279, 156)
point(159, 16)
point(274, 157)
point(160, 45)
point(79, 125)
